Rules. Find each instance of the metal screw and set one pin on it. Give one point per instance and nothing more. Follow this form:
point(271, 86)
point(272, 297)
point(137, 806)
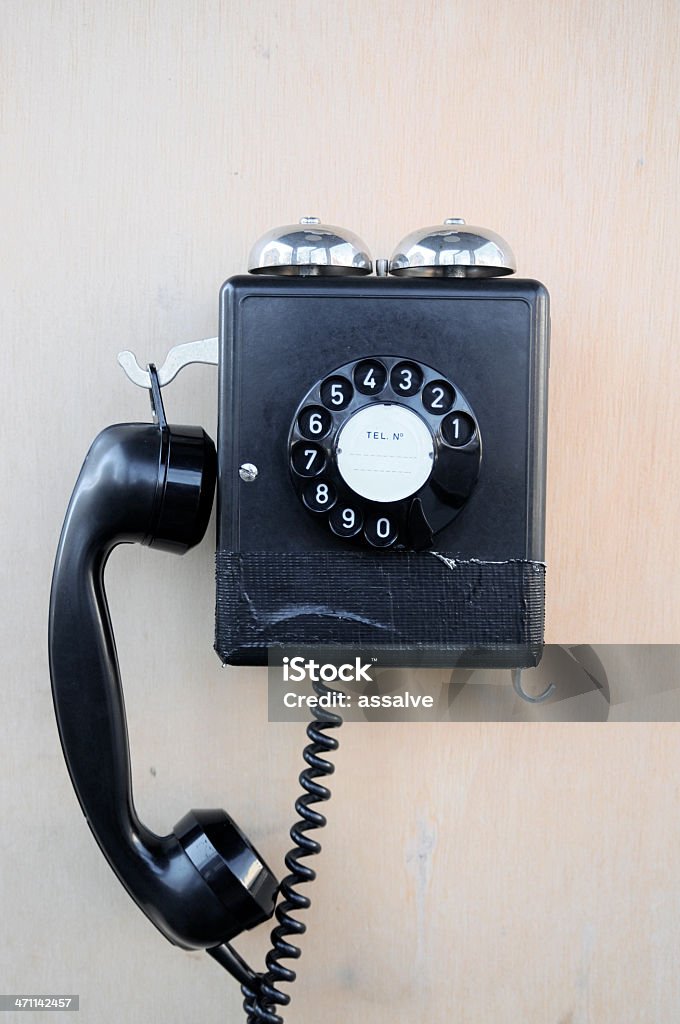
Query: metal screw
point(248, 472)
point(454, 220)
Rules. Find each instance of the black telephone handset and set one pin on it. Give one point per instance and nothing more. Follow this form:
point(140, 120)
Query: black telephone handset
point(353, 412)
point(151, 484)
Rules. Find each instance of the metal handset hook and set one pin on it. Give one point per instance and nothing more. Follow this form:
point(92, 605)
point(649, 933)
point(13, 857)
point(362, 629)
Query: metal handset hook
point(521, 692)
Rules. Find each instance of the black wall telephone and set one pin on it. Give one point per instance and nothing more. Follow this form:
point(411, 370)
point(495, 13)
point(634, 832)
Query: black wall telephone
point(381, 483)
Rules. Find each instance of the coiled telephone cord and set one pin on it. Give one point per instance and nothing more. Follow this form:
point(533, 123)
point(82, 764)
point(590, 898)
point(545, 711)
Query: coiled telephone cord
point(260, 1002)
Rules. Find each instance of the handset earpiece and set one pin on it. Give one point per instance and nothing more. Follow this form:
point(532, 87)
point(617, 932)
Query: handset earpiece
point(204, 883)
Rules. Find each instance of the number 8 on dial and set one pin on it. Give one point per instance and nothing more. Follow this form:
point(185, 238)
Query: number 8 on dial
point(319, 496)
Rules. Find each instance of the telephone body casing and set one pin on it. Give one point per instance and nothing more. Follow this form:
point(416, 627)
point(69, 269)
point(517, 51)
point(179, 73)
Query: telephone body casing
point(477, 597)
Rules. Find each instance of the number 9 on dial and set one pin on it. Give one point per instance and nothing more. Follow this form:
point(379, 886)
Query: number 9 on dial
point(345, 521)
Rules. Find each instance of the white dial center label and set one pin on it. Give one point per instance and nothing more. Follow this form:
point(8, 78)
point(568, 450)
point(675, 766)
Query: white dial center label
point(385, 452)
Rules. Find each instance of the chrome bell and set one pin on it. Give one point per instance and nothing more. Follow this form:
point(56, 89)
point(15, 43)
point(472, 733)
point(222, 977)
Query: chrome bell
point(454, 249)
point(308, 249)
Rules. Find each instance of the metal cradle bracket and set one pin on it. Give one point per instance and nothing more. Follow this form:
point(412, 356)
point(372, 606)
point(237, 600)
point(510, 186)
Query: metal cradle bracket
point(204, 351)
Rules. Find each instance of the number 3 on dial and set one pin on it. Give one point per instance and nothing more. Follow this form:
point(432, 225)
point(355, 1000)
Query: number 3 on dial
point(406, 379)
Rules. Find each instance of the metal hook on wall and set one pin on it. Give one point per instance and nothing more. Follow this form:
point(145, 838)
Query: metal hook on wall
point(521, 692)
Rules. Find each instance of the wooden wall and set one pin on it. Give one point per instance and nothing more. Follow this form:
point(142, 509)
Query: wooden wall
point(478, 873)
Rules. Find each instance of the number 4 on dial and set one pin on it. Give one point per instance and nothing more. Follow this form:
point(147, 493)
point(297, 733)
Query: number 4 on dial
point(370, 377)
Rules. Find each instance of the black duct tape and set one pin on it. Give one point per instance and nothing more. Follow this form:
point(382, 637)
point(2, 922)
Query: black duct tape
point(416, 608)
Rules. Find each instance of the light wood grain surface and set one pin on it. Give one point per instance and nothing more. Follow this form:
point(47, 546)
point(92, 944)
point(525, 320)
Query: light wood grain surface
point(473, 873)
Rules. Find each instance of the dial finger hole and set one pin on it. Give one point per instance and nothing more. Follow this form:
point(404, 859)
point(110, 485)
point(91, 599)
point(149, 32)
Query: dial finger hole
point(438, 397)
point(314, 422)
point(370, 377)
point(457, 429)
point(406, 379)
point(308, 458)
point(380, 531)
point(345, 520)
point(336, 393)
point(319, 496)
